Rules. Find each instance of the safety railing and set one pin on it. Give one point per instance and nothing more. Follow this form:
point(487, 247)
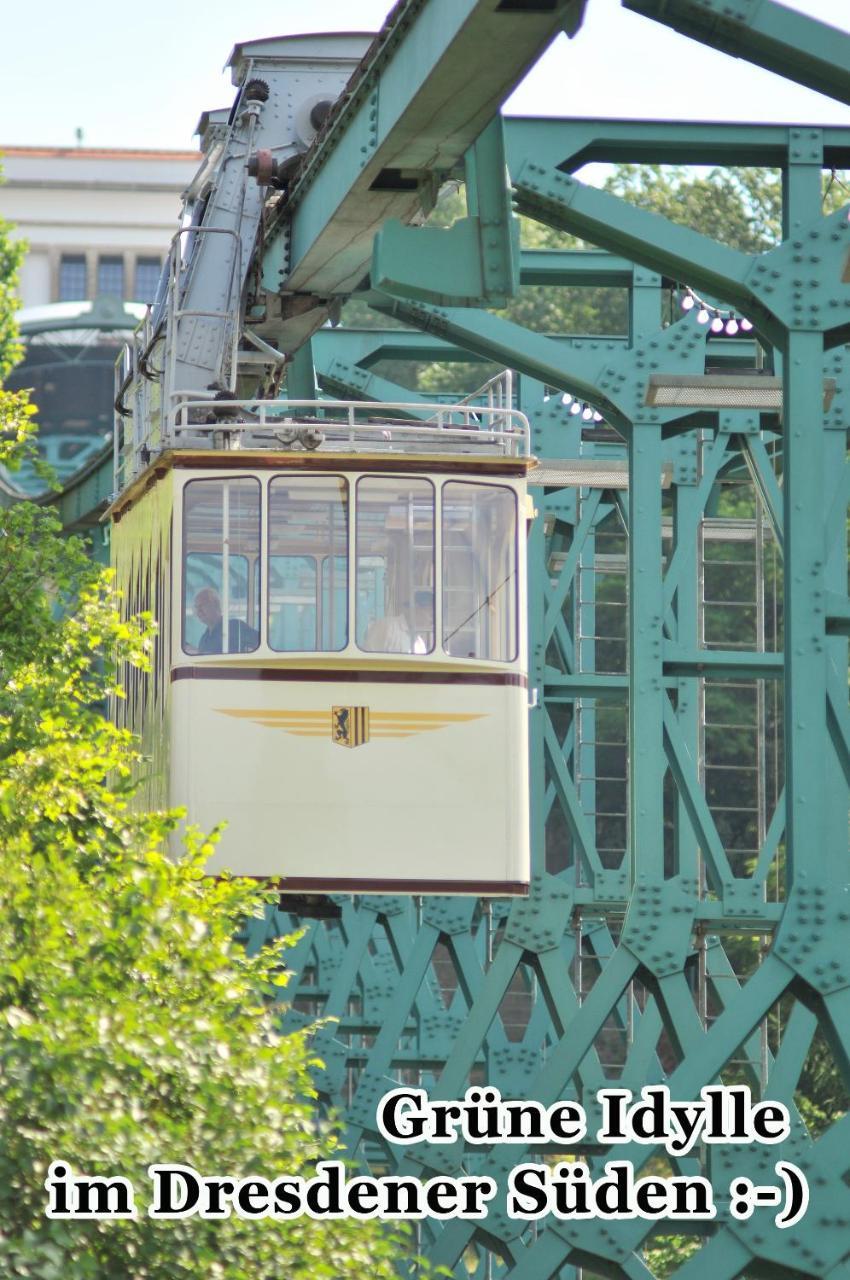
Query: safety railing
point(139, 397)
point(339, 425)
point(497, 392)
point(182, 263)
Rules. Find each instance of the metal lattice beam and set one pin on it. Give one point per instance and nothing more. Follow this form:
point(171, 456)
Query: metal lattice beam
point(412, 110)
point(782, 40)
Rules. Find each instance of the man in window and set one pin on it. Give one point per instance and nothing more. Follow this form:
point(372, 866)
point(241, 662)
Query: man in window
point(241, 637)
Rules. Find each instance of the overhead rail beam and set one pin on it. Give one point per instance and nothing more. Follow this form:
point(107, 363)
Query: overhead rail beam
point(789, 43)
point(569, 144)
point(411, 111)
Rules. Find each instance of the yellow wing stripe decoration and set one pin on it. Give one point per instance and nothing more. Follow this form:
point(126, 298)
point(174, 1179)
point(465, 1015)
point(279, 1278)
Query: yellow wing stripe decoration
point(360, 726)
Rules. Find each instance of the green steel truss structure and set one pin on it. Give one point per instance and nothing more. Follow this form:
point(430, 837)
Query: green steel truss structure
point(689, 920)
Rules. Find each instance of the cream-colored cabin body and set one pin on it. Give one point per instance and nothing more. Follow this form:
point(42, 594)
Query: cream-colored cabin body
point(359, 722)
point(340, 670)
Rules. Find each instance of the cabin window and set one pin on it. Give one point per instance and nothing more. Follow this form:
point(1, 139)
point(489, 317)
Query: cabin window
point(395, 565)
point(479, 571)
point(308, 564)
point(221, 549)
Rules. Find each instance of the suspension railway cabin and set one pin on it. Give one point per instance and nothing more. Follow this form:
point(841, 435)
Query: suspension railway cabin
point(339, 674)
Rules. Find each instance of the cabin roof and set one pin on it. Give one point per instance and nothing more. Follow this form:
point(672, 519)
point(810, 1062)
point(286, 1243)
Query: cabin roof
point(264, 461)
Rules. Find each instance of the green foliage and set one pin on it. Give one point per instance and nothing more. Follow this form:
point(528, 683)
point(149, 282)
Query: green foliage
point(821, 1096)
point(11, 257)
point(37, 568)
point(134, 1027)
point(667, 1254)
point(738, 207)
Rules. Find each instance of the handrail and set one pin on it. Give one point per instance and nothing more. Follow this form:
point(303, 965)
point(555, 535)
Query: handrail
point(499, 391)
point(176, 313)
point(479, 425)
point(324, 425)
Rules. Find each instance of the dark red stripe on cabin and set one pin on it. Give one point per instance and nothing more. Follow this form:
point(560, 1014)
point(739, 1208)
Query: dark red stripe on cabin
point(321, 675)
point(481, 888)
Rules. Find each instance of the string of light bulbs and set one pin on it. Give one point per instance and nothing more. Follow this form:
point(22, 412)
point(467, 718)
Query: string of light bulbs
point(575, 407)
point(718, 321)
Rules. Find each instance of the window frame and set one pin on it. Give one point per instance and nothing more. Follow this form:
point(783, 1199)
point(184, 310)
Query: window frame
point(250, 566)
point(73, 260)
point(437, 521)
point(146, 261)
point(346, 495)
point(110, 261)
point(259, 566)
point(517, 648)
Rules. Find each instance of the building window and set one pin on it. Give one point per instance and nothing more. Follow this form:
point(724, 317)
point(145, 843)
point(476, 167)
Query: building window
point(72, 278)
point(110, 277)
point(147, 278)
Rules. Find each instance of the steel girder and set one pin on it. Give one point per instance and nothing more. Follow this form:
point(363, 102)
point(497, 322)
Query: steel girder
point(633, 959)
point(412, 112)
point(569, 144)
point(792, 44)
point(608, 972)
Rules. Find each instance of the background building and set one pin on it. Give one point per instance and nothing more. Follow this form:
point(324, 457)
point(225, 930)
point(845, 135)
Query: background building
point(98, 224)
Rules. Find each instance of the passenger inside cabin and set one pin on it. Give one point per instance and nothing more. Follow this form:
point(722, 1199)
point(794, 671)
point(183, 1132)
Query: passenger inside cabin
point(390, 634)
point(241, 637)
point(423, 620)
point(409, 631)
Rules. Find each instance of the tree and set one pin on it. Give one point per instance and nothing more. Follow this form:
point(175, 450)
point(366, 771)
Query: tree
point(11, 256)
point(741, 207)
point(134, 1027)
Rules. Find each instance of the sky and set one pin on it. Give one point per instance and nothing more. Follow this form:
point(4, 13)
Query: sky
point(140, 76)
